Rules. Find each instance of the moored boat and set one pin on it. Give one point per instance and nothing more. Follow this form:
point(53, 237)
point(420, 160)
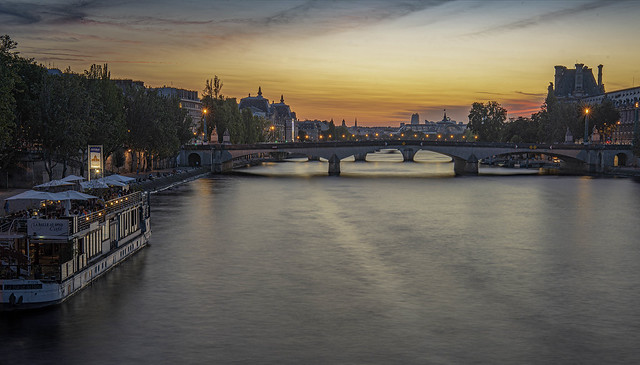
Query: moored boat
point(45, 260)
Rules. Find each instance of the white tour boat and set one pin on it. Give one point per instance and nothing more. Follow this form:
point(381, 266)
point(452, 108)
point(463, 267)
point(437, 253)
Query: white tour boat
point(45, 261)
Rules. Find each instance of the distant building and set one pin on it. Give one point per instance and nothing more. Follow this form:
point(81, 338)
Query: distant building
point(578, 83)
point(128, 83)
point(188, 100)
point(258, 105)
point(415, 119)
point(446, 126)
point(625, 101)
point(279, 114)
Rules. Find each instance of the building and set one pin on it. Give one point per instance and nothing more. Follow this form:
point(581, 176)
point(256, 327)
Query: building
point(446, 127)
point(189, 101)
point(258, 105)
point(579, 85)
point(415, 119)
point(279, 114)
point(626, 101)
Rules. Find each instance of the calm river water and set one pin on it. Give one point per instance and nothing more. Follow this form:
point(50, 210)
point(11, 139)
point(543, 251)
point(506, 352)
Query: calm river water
point(390, 263)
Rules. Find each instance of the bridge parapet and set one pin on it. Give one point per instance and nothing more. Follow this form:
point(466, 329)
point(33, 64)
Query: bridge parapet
point(590, 158)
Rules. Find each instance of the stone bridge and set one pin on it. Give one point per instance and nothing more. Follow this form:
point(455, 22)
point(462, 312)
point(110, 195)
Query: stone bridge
point(576, 158)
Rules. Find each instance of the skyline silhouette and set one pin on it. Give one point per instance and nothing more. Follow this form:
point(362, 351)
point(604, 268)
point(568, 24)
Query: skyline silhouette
point(374, 61)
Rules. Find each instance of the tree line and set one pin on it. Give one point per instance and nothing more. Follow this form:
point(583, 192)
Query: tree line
point(60, 114)
point(549, 125)
point(224, 115)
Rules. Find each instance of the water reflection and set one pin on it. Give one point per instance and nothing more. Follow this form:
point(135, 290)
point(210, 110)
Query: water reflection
point(384, 268)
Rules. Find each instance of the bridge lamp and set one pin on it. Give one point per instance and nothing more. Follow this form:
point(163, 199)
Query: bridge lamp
point(402, 135)
point(204, 125)
point(475, 137)
point(329, 136)
point(376, 134)
point(343, 136)
point(439, 136)
point(586, 126)
point(452, 136)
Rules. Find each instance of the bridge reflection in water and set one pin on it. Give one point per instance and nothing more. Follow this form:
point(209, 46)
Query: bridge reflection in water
point(575, 158)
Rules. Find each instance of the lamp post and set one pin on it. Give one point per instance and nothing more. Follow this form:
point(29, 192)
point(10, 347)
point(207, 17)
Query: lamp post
point(635, 125)
point(204, 125)
point(586, 127)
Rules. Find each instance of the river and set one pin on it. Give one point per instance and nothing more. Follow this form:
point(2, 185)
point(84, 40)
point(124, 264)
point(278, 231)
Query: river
point(390, 263)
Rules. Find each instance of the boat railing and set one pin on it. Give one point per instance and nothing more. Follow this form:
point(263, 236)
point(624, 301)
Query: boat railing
point(111, 206)
point(78, 223)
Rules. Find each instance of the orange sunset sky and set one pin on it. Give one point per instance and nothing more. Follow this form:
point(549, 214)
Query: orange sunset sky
point(377, 61)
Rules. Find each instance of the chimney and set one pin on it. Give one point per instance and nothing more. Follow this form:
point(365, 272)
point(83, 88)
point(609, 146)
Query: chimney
point(579, 78)
point(600, 77)
point(559, 73)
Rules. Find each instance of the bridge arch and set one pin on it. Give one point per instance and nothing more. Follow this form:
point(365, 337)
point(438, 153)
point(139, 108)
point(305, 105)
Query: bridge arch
point(194, 160)
point(620, 159)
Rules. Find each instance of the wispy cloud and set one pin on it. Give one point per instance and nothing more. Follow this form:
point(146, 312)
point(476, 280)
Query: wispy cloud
point(547, 17)
point(24, 13)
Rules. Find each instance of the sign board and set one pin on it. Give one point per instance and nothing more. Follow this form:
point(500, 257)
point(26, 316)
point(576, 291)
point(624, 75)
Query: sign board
point(95, 160)
point(95, 157)
point(48, 228)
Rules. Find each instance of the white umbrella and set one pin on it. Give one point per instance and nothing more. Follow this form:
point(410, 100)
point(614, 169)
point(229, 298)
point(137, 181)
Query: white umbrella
point(28, 199)
point(94, 184)
point(73, 195)
point(53, 183)
point(113, 182)
point(120, 178)
point(72, 178)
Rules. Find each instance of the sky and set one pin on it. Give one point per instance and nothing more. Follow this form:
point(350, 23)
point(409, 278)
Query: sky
point(371, 60)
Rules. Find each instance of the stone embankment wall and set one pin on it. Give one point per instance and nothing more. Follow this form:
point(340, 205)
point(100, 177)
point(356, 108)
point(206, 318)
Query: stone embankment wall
point(163, 179)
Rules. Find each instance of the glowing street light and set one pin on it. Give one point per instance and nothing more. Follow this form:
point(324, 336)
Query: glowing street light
point(204, 125)
point(586, 127)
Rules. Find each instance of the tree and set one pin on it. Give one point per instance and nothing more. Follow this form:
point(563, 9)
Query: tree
point(212, 101)
point(487, 120)
point(7, 84)
point(520, 130)
point(107, 126)
point(604, 117)
point(156, 125)
point(64, 111)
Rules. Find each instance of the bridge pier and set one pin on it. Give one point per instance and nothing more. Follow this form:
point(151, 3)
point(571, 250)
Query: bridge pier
point(408, 154)
point(313, 158)
point(221, 162)
point(468, 167)
point(334, 165)
point(360, 157)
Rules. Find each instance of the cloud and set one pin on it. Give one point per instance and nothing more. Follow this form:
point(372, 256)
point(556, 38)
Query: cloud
point(26, 13)
point(529, 94)
point(547, 17)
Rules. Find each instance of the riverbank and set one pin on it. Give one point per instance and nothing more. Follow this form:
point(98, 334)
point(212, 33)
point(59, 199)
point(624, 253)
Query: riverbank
point(164, 179)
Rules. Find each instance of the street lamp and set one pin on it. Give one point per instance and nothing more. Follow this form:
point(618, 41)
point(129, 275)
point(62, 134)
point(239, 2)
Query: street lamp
point(635, 126)
point(586, 127)
point(204, 125)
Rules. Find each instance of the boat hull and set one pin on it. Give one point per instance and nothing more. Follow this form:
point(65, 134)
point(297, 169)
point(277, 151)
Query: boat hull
point(19, 294)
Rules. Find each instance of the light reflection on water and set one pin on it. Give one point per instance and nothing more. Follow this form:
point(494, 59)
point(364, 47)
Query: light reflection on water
point(389, 263)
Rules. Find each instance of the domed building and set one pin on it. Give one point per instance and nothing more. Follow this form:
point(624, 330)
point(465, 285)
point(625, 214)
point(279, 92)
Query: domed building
point(279, 114)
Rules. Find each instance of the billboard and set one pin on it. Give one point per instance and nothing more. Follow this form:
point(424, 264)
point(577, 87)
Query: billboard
point(95, 161)
point(95, 157)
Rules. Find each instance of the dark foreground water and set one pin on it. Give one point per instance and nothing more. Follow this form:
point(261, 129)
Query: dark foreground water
point(390, 263)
